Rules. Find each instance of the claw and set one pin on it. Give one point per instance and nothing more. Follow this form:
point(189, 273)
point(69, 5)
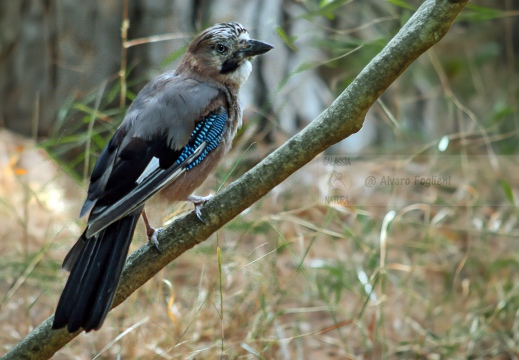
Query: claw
point(153, 239)
point(198, 213)
point(198, 201)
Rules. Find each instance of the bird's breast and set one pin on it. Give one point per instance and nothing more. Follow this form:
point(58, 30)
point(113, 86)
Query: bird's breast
point(190, 180)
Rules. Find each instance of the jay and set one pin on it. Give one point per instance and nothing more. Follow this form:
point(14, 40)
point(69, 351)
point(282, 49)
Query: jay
point(173, 135)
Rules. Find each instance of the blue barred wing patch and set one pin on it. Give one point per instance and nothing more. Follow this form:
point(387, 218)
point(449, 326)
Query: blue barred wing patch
point(207, 132)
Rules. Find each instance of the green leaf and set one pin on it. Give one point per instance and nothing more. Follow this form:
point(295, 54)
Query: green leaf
point(501, 111)
point(402, 4)
point(503, 264)
point(480, 13)
point(288, 40)
point(508, 191)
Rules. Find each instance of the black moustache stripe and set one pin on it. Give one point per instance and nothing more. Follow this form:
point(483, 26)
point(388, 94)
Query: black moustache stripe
point(230, 65)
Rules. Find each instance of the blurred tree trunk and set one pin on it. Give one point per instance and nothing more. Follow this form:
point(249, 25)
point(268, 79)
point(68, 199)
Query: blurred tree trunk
point(52, 52)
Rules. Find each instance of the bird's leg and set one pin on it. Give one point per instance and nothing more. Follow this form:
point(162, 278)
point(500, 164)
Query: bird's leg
point(197, 201)
point(151, 232)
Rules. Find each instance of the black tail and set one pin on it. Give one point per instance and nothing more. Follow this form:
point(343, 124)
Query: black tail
point(95, 266)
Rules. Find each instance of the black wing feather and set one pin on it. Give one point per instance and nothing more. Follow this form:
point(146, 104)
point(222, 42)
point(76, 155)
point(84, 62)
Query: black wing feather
point(96, 269)
point(100, 175)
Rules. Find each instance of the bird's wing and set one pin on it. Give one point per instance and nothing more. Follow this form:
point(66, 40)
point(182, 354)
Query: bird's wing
point(171, 127)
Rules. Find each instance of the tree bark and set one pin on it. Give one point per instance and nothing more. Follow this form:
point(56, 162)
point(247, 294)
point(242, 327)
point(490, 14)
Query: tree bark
point(343, 118)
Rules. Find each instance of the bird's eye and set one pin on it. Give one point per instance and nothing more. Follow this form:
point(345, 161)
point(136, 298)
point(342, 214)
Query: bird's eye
point(222, 49)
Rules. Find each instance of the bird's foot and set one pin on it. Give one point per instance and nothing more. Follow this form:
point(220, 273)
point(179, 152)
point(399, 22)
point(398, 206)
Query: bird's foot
point(198, 201)
point(153, 237)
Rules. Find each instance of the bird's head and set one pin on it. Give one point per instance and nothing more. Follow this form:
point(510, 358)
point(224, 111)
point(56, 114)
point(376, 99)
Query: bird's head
point(222, 53)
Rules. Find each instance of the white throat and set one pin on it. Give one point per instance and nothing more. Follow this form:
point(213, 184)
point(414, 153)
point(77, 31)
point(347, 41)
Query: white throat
point(241, 74)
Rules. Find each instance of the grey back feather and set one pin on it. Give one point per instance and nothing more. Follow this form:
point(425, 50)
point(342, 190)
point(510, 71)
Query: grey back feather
point(172, 104)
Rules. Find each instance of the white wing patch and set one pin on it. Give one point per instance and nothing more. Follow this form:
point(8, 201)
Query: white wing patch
point(152, 166)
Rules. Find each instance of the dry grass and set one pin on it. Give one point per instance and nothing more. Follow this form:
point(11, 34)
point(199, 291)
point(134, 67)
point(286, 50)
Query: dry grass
point(430, 278)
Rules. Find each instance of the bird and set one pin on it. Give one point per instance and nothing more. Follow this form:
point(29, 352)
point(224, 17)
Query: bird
point(172, 137)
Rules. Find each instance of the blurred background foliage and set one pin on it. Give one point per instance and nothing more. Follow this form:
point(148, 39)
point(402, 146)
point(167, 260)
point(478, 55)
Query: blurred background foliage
point(407, 273)
point(320, 47)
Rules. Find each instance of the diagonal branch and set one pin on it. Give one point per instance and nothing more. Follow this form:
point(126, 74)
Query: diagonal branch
point(343, 118)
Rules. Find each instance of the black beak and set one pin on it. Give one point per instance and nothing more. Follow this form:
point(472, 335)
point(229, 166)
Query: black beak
point(255, 47)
